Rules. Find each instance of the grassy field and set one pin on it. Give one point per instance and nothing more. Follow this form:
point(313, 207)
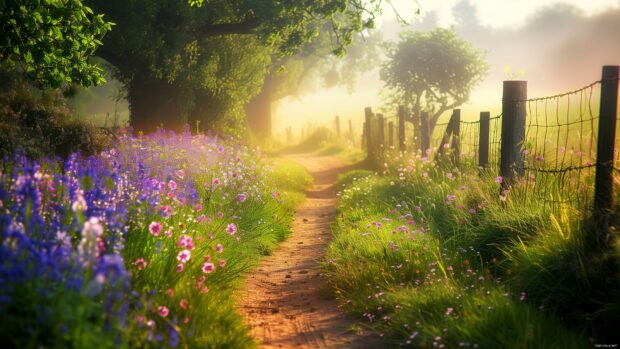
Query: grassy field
point(429, 256)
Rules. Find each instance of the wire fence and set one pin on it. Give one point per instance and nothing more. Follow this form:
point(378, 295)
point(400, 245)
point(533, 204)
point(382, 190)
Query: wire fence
point(555, 158)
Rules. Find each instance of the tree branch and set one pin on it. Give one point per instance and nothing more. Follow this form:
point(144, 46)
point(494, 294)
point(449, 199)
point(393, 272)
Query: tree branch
point(248, 26)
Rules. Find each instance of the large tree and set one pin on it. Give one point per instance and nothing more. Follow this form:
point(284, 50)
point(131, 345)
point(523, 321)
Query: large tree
point(432, 71)
point(50, 41)
point(193, 63)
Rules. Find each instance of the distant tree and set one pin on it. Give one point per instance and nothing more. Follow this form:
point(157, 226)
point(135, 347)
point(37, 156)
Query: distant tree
point(433, 71)
point(197, 63)
point(51, 41)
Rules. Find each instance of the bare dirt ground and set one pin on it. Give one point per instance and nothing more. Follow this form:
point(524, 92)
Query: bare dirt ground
point(285, 301)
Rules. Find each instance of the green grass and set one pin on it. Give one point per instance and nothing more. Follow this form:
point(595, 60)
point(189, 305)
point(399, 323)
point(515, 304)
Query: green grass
point(213, 318)
point(411, 243)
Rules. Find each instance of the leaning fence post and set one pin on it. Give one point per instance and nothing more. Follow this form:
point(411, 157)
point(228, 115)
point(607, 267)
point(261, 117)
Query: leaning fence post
point(483, 142)
point(381, 129)
point(337, 126)
point(603, 183)
point(391, 134)
point(456, 134)
point(401, 128)
point(426, 136)
point(513, 129)
point(367, 128)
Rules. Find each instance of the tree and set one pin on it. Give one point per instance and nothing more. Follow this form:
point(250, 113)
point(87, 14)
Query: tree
point(434, 71)
point(175, 58)
point(51, 41)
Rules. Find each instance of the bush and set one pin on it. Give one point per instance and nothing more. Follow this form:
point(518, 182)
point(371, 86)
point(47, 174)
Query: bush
point(37, 124)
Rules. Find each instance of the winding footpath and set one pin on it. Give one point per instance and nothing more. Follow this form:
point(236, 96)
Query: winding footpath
point(285, 301)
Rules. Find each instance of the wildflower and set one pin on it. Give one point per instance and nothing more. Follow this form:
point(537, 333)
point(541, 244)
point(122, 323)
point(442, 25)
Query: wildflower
point(180, 174)
point(79, 204)
point(220, 214)
point(155, 228)
point(215, 182)
point(180, 267)
point(222, 263)
point(162, 311)
point(450, 176)
point(449, 311)
point(208, 267)
point(201, 218)
point(183, 303)
point(499, 179)
point(184, 256)
point(220, 149)
point(231, 229)
point(89, 247)
point(186, 242)
point(198, 207)
point(241, 197)
point(562, 150)
point(172, 185)
point(140, 263)
point(539, 158)
point(219, 248)
point(472, 211)
point(168, 233)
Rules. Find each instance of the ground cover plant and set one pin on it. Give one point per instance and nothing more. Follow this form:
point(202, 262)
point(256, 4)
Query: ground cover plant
point(432, 256)
point(139, 246)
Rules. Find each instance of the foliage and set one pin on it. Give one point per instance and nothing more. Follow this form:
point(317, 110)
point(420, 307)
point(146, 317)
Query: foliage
point(140, 246)
point(431, 256)
point(52, 40)
point(434, 71)
point(38, 124)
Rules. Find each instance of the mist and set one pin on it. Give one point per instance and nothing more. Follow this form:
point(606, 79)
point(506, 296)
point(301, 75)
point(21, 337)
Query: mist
point(556, 49)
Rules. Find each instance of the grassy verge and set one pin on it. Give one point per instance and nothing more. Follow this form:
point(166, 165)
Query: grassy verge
point(431, 257)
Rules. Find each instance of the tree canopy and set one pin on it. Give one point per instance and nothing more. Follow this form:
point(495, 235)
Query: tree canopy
point(51, 41)
point(433, 71)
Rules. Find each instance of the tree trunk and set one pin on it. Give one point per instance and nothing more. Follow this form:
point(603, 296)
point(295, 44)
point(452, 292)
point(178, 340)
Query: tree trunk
point(154, 103)
point(259, 111)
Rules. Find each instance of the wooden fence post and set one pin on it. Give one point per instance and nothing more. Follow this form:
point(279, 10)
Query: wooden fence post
point(456, 135)
point(391, 134)
point(426, 134)
point(367, 129)
point(513, 129)
point(415, 120)
point(381, 129)
point(363, 140)
point(401, 128)
point(337, 126)
point(603, 183)
point(350, 130)
point(483, 142)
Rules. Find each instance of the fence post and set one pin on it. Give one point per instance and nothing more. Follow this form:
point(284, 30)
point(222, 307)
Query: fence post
point(367, 128)
point(513, 129)
point(401, 128)
point(426, 133)
point(603, 183)
point(483, 142)
point(381, 129)
point(337, 126)
point(415, 120)
point(363, 140)
point(456, 134)
point(350, 130)
point(391, 134)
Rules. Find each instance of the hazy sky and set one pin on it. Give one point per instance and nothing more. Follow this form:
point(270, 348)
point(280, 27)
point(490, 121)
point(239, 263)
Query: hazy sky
point(557, 44)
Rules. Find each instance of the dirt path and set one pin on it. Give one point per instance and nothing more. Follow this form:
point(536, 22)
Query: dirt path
point(285, 302)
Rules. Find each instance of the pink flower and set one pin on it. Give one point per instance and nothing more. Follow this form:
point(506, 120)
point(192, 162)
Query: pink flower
point(472, 211)
point(231, 229)
point(449, 311)
point(180, 267)
point(172, 185)
point(168, 233)
point(204, 289)
point(215, 182)
point(201, 218)
point(219, 248)
point(198, 207)
point(499, 179)
point(184, 256)
point(162, 311)
point(155, 228)
point(140, 263)
point(222, 263)
point(241, 197)
point(183, 303)
point(220, 149)
point(186, 242)
point(180, 174)
point(220, 214)
point(208, 267)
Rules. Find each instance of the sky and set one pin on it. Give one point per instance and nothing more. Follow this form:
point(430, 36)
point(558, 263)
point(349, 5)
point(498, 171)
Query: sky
point(555, 45)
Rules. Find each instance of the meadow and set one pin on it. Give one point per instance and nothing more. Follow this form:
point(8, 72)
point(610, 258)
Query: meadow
point(143, 245)
point(428, 255)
